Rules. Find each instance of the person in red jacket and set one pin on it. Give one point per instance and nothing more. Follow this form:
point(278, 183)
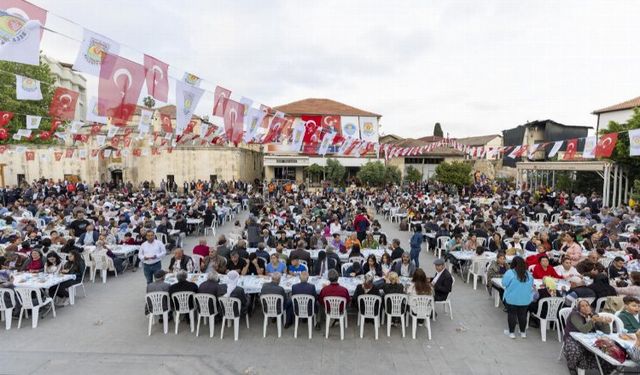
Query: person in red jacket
point(360, 224)
point(543, 269)
point(533, 260)
point(334, 290)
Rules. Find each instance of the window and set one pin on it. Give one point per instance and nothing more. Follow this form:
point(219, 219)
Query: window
point(21, 179)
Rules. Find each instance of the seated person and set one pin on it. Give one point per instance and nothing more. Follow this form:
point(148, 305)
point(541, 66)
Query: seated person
point(354, 270)
point(256, 265)
point(274, 287)
point(181, 262)
point(629, 315)
point(590, 266)
point(183, 285)
point(578, 290)
point(236, 263)
point(34, 263)
point(543, 269)
point(202, 248)
point(275, 265)
point(367, 287)
point(405, 267)
point(296, 267)
point(372, 266)
point(617, 269)
point(566, 269)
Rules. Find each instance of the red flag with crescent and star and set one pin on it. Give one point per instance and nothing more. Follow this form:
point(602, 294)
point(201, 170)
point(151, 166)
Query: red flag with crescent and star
point(570, 151)
point(5, 117)
point(119, 88)
point(166, 123)
point(312, 128)
point(219, 101)
point(233, 120)
point(157, 77)
point(606, 145)
point(63, 104)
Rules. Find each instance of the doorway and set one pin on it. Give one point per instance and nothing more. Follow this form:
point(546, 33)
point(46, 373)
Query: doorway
point(116, 176)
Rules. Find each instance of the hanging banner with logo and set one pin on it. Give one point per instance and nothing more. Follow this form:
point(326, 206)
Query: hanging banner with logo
point(20, 39)
point(369, 129)
point(589, 151)
point(27, 88)
point(350, 127)
point(187, 99)
point(33, 122)
point(92, 53)
point(94, 110)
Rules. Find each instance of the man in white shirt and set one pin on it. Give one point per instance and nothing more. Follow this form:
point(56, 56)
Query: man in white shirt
point(151, 253)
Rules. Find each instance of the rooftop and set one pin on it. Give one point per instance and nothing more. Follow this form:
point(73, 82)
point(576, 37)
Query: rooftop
point(549, 121)
point(629, 104)
point(480, 140)
point(314, 106)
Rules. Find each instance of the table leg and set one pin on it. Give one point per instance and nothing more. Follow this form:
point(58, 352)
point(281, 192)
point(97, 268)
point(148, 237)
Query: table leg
point(599, 366)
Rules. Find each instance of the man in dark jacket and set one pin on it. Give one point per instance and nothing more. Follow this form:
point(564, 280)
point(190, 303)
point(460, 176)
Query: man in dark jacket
point(442, 281)
point(183, 285)
point(304, 287)
point(274, 287)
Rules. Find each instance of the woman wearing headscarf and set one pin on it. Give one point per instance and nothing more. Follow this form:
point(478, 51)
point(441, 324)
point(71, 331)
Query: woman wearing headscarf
point(582, 319)
point(234, 291)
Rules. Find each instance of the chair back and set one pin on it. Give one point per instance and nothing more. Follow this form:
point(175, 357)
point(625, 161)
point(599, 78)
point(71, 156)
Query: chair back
point(369, 305)
point(606, 262)
point(25, 297)
point(356, 260)
point(564, 315)
point(159, 302)
point(229, 307)
point(479, 266)
point(344, 267)
point(616, 325)
point(480, 241)
point(272, 305)
point(197, 261)
point(181, 301)
point(204, 300)
point(395, 303)
point(11, 296)
point(161, 237)
point(303, 305)
point(335, 307)
point(553, 305)
point(421, 306)
point(100, 260)
point(442, 241)
point(541, 216)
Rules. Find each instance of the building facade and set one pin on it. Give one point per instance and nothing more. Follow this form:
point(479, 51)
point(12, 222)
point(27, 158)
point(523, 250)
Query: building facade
point(620, 113)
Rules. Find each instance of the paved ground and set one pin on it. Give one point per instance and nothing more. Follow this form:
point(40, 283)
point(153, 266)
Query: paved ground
point(107, 333)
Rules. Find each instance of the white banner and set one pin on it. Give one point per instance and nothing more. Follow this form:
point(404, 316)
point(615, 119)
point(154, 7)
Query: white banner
point(93, 112)
point(27, 88)
point(23, 45)
point(187, 99)
point(368, 129)
point(350, 127)
point(325, 143)
point(297, 135)
point(555, 148)
point(144, 125)
point(589, 151)
point(92, 50)
point(634, 142)
point(33, 122)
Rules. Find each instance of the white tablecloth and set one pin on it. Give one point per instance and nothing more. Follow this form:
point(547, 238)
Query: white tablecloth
point(39, 280)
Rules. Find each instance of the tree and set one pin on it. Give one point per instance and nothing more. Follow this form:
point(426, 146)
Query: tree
point(372, 174)
point(314, 171)
point(413, 175)
point(454, 173)
point(437, 130)
point(149, 102)
point(392, 175)
point(335, 171)
point(621, 152)
point(21, 108)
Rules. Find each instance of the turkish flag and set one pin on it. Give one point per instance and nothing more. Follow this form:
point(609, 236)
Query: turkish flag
point(63, 104)
point(82, 138)
point(69, 153)
point(332, 124)
point(3, 148)
point(157, 76)
point(219, 100)
point(190, 127)
point(570, 151)
point(277, 123)
point(606, 144)
point(137, 152)
point(337, 139)
point(57, 155)
point(233, 120)
point(155, 151)
point(54, 125)
point(312, 128)
point(94, 153)
point(5, 117)
point(127, 141)
point(95, 129)
point(166, 123)
point(119, 88)
point(30, 155)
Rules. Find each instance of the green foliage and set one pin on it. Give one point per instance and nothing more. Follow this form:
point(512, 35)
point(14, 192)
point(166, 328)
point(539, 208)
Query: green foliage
point(392, 175)
point(454, 173)
point(621, 152)
point(413, 175)
point(437, 130)
point(149, 102)
point(335, 171)
point(315, 170)
point(372, 173)
point(20, 108)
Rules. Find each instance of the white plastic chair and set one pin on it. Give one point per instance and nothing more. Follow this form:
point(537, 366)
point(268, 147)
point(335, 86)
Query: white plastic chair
point(212, 228)
point(367, 310)
point(441, 244)
point(26, 300)
point(589, 299)
point(447, 302)
point(336, 308)
point(6, 312)
point(600, 302)
point(420, 307)
point(479, 270)
point(103, 263)
point(356, 260)
point(159, 307)
point(553, 304)
point(541, 216)
point(229, 305)
point(398, 301)
point(344, 267)
point(181, 306)
point(161, 237)
point(197, 261)
point(72, 288)
point(615, 322)
point(301, 303)
point(271, 303)
point(606, 262)
point(203, 301)
point(480, 241)
point(562, 324)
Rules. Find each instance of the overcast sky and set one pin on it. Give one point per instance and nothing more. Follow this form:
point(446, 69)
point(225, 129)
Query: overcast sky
point(477, 67)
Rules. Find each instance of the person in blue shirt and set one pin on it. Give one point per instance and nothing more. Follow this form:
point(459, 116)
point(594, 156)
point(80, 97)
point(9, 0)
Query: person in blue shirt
point(276, 265)
point(295, 268)
point(416, 245)
point(518, 294)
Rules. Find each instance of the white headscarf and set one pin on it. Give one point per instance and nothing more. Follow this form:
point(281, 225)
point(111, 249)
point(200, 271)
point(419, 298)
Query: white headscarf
point(232, 282)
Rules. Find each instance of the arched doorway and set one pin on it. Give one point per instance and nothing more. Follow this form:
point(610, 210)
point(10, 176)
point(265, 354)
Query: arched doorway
point(116, 176)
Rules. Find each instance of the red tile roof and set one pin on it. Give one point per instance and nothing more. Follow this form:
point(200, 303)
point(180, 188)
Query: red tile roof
point(313, 106)
point(629, 104)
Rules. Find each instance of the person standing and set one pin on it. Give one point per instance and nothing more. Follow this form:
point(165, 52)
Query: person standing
point(151, 253)
point(416, 245)
point(518, 294)
point(361, 223)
